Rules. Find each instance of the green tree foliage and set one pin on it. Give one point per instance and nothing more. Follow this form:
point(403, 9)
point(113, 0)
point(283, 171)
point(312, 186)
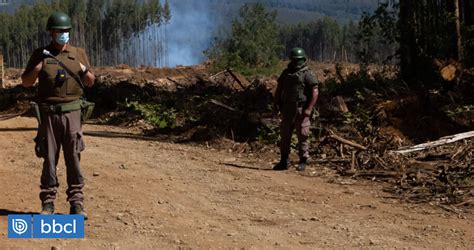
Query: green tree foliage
point(289, 11)
point(322, 40)
point(295, 11)
point(166, 12)
point(377, 39)
point(252, 44)
point(372, 40)
point(112, 32)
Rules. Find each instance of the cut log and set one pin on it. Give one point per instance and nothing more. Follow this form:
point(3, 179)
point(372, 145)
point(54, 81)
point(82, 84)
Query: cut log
point(449, 72)
point(341, 104)
point(442, 141)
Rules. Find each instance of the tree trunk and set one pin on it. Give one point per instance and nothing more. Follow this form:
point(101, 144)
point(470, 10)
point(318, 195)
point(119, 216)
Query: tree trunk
point(458, 30)
point(408, 46)
point(2, 73)
point(468, 12)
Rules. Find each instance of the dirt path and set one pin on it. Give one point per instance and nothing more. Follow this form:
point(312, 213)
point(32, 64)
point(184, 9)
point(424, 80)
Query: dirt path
point(144, 194)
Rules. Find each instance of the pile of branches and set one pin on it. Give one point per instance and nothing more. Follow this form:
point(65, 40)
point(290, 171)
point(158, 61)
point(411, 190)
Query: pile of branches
point(15, 101)
point(367, 122)
point(441, 172)
point(202, 107)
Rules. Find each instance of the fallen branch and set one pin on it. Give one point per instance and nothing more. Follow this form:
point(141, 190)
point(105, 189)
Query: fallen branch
point(347, 142)
point(11, 116)
point(175, 82)
point(202, 79)
point(440, 142)
point(216, 74)
point(220, 104)
point(186, 77)
point(464, 203)
point(353, 161)
point(450, 208)
point(379, 174)
point(461, 152)
point(332, 160)
point(236, 78)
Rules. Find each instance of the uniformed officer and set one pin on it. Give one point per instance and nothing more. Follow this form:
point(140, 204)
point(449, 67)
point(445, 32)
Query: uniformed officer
point(59, 93)
point(295, 97)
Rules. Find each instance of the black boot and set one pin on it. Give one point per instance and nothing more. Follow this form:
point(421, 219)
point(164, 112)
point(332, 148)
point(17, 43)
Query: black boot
point(302, 164)
point(47, 208)
point(78, 208)
point(283, 164)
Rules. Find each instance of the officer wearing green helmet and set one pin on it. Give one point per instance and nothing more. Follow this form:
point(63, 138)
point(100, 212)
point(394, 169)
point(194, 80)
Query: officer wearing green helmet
point(62, 71)
point(295, 97)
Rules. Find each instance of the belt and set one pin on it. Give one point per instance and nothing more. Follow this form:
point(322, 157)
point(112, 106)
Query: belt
point(61, 107)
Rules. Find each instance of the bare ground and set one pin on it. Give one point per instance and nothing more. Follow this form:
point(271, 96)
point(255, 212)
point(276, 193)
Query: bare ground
point(148, 194)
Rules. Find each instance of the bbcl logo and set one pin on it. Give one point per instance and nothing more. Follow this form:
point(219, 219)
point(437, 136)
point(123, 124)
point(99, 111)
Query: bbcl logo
point(57, 228)
point(19, 226)
point(45, 226)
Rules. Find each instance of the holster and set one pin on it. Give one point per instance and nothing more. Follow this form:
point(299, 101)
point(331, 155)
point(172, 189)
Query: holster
point(86, 109)
point(36, 110)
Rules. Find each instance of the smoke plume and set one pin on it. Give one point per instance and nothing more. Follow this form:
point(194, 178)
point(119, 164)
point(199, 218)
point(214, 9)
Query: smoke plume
point(189, 32)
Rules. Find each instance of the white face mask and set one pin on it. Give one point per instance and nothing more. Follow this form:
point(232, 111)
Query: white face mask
point(62, 38)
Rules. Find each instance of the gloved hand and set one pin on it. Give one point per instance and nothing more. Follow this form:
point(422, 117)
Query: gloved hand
point(307, 112)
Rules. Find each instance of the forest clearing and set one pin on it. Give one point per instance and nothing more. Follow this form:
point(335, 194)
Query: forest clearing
point(198, 188)
point(187, 130)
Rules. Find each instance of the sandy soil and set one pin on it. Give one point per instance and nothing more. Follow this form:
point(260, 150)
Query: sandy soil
point(144, 193)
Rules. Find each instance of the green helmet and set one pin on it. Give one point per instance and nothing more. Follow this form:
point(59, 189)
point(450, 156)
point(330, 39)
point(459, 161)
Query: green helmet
point(297, 53)
point(59, 20)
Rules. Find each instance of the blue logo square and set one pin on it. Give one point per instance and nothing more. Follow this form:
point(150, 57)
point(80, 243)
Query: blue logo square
point(58, 226)
point(20, 226)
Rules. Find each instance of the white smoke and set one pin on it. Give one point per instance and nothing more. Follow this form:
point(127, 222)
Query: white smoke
point(180, 42)
point(189, 32)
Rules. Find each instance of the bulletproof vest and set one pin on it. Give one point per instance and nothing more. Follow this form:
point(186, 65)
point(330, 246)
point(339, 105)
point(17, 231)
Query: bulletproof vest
point(294, 86)
point(55, 83)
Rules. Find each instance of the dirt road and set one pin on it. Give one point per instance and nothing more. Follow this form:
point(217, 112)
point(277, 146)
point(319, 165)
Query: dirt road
point(149, 194)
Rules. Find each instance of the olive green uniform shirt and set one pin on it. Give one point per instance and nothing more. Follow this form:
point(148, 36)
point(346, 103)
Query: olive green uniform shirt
point(53, 88)
point(296, 84)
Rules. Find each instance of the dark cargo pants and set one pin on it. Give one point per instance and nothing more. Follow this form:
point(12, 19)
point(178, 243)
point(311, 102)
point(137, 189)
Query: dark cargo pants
point(56, 130)
point(293, 118)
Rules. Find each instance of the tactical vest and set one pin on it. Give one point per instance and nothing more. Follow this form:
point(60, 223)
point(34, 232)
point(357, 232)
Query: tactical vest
point(55, 84)
point(294, 86)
